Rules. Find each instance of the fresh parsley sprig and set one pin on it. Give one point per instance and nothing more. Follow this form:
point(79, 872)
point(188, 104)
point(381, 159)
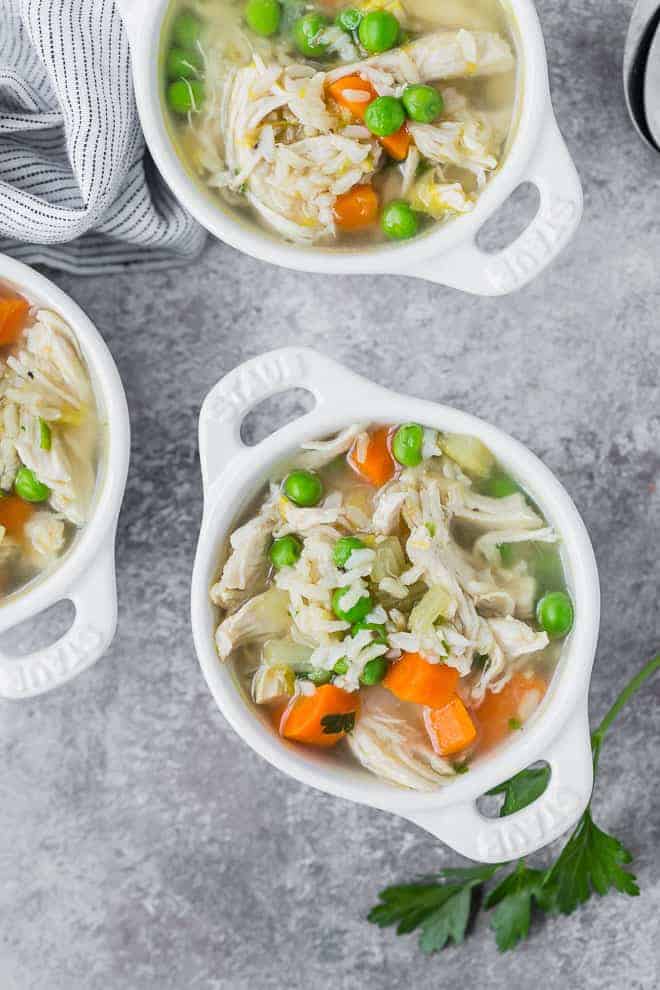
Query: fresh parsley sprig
point(441, 907)
point(343, 722)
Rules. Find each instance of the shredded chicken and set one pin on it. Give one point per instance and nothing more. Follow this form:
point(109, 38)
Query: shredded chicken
point(317, 453)
point(488, 544)
point(296, 519)
point(45, 531)
point(9, 429)
point(46, 382)
point(387, 511)
point(509, 513)
point(270, 683)
point(516, 638)
point(246, 569)
point(439, 55)
point(395, 750)
point(301, 161)
point(270, 136)
point(260, 617)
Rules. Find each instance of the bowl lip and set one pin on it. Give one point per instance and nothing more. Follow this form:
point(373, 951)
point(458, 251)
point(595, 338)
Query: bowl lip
point(568, 691)
point(405, 258)
point(99, 530)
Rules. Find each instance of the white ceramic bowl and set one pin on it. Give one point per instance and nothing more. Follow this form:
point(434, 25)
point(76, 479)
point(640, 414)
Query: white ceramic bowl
point(86, 573)
point(446, 254)
point(558, 732)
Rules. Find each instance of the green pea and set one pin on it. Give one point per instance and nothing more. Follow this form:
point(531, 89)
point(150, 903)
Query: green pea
point(185, 96)
point(308, 33)
point(45, 435)
point(377, 628)
point(499, 486)
point(378, 31)
point(374, 671)
point(384, 115)
point(285, 551)
point(341, 666)
point(422, 103)
point(263, 16)
point(407, 444)
point(398, 220)
point(554, 613)
point(349, 19)
point(344, 548)
point(28, 487)
point(318, 676)
point(357, 612)
point(183, 63)
point(186, 30)
point(303, 488)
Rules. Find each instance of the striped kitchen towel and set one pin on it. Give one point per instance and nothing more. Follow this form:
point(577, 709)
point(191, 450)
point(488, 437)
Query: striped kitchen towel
point(78, 191)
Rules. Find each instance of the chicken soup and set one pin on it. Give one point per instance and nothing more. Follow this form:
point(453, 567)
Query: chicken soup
point(49, 440)
point(335, 125)
point(395, 596)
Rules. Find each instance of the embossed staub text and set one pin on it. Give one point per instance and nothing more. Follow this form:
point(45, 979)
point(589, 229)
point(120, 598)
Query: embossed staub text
point(536, 826)
point(545, 237)
point(260, 378)
point(58, 663)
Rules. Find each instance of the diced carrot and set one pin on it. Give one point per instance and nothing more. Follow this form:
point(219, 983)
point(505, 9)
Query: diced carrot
point(412, 678)
point(14, 513)
point(13, 318)
point(450, 728)
point(397, 144)
point(310, 718)
point(357, 208)
point(377, 465)
point(342, 90)
point(501, 714)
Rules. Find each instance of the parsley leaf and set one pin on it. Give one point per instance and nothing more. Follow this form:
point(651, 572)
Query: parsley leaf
point(439, 907)
point(512, 900)
point(342, 722)
point(522, 789)
point(590, 861)
point(448, 921)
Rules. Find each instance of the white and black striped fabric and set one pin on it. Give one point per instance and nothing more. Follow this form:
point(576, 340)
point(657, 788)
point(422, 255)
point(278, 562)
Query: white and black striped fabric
point(77, 189)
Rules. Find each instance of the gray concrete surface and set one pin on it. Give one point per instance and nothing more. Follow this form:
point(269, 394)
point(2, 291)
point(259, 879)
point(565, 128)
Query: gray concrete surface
point(142, 845)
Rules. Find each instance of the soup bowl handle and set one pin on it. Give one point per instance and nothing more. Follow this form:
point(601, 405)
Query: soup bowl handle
point(552, 171)
point(234, 396)
point(94, 598)
point(497, 840)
